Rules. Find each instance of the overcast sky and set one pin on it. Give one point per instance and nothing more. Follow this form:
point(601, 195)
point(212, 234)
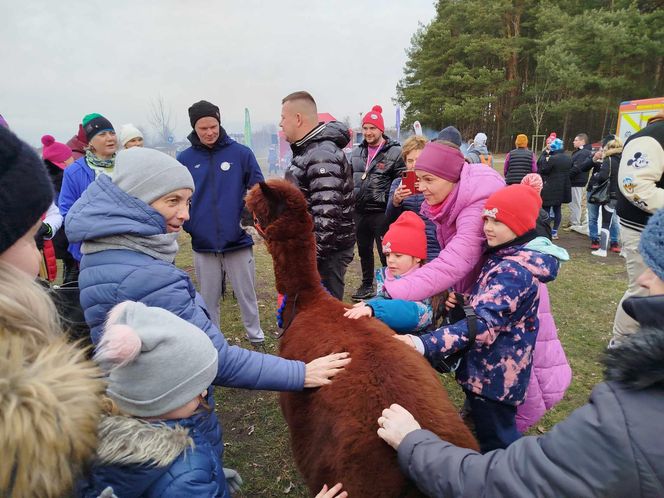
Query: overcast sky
point(62, 60)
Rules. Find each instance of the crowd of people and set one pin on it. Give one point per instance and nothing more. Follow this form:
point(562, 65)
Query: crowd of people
point(133, 415)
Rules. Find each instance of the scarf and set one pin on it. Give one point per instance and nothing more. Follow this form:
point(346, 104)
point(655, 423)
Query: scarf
point(100, 165)
point(163, 246)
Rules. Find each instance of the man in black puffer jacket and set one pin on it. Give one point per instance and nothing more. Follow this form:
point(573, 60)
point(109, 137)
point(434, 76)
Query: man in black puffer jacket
point(582, 163)
point(321, 171)
point(376, 163)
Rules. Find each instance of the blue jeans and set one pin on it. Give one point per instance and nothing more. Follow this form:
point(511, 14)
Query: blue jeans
point(593, 217)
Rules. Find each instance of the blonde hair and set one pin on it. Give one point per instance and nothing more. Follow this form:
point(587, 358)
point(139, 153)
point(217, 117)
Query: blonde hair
point(26, 309)
point(414, 142)
point(49, 393)
point(613, 147)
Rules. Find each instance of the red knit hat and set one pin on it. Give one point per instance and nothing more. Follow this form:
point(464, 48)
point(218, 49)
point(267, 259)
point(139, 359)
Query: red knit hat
point(407, 236)
point(374, 117)
point(54, 151)
point(517, 206)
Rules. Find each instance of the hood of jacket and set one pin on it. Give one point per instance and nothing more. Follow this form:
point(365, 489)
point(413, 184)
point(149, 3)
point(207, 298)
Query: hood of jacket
point(131, 441)
point(333, 131)
point(638, 360)
point(133, 454)
point(50, 432)
point(104, 210)
point(477, 149)
point(543, 266)
point(544, 245)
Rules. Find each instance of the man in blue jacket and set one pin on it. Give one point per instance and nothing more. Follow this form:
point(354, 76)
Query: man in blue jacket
point(223, 171)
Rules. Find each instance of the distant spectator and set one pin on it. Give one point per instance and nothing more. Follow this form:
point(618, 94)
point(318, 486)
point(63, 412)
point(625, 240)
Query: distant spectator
point(376, 163)
point(78, 143)
point(554, 168)
point(99, 158)
point(582, 163)
point(130, 136)
point(478, 153)
point(612, 151)
point(58, 156)
point(519, 162)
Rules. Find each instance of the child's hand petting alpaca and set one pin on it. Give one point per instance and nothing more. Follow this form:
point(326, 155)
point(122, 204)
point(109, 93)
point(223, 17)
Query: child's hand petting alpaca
point(319, 372)
point(332, 492)
point(395, 423)
point(358, 310)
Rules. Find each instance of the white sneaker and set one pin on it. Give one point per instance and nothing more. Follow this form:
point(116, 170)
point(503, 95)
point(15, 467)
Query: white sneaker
point(599, 252)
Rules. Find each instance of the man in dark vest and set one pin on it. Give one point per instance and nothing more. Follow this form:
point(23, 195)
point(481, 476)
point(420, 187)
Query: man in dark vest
point(520, 161)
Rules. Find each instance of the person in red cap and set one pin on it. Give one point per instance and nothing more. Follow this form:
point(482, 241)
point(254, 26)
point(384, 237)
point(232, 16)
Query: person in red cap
point(376, 163)
point(405, 249)
point(498, 337)
point(57, 156)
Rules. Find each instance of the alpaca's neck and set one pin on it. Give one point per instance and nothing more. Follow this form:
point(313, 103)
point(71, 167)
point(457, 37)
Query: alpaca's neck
point(295, 267)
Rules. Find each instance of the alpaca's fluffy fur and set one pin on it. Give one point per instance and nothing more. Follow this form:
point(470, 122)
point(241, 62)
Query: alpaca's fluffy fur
point(333, 429)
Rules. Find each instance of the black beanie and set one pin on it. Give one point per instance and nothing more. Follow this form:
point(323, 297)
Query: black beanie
point(95, 123)
point(26, 190)
point(203, 109)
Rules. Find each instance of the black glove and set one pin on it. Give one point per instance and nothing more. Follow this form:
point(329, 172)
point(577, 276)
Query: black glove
point(45, 231)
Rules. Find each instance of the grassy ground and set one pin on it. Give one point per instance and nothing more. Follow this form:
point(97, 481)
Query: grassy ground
point(584, 299)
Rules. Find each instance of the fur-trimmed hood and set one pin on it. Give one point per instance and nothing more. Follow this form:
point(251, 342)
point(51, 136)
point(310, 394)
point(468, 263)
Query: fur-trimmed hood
point(131, 441)
point(50, 408)
point(638, 360)
point(133, 454)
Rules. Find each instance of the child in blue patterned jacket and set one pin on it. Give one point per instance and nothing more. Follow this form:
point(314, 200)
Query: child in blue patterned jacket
point(405, 247)
point(496, 365)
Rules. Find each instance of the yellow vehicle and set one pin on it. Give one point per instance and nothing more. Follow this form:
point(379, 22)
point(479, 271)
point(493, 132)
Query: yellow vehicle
point(634, 114)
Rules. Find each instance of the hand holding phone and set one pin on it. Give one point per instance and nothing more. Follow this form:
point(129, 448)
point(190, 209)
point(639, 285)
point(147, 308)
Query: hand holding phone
point(408, 181)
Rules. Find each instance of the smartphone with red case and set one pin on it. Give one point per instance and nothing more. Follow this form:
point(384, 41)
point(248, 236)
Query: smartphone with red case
point(408, 181)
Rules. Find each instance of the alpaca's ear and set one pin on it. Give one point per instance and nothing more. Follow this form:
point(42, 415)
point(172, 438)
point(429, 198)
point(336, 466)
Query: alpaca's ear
point(275, 202)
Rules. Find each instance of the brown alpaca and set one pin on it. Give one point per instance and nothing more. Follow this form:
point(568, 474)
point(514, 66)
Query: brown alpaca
point(333, 428)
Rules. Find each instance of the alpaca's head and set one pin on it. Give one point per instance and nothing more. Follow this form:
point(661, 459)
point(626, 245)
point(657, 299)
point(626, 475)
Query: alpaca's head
point(280, 211)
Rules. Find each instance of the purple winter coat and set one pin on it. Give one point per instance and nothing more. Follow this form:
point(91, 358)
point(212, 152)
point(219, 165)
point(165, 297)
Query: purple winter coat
point(550, 375)
point(459, 229)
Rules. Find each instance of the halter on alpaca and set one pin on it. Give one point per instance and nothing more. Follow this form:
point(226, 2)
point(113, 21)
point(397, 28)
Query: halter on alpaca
point(333, 428)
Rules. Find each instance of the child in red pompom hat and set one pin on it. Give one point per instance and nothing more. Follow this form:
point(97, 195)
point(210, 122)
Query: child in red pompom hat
point(405, 247)
point(500, 323)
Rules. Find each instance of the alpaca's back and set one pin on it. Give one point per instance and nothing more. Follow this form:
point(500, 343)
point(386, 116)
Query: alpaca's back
point(333, 429)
